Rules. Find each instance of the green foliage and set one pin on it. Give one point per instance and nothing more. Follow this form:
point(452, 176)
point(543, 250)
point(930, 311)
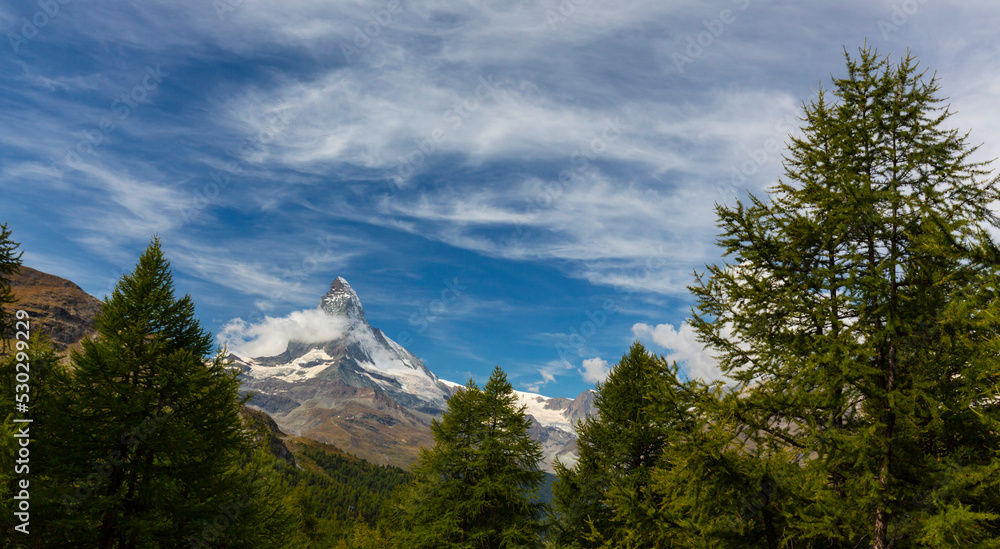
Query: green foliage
point(367, 537)
point(858, 313)
point(47, 379)
point(333, 498)
point(617, 447)
point(346, 496)
point(10, 264)
point(361, 487)
point(477, 487)
point(144, 442)
point(859, 318)
point(715, 488)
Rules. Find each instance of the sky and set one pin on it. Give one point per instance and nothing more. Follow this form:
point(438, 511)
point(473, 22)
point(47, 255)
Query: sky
point(529, 183)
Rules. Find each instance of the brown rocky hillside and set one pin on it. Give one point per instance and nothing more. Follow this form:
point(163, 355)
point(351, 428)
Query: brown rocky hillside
point(60, 308)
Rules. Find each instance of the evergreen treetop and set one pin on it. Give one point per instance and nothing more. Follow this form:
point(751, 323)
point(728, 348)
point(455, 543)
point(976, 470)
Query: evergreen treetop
point(858, 313)
point(618, 446)
point(477, 486)
point(154, 409)
point(10, 264)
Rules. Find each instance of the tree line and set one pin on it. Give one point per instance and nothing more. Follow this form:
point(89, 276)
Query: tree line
point(855, 316)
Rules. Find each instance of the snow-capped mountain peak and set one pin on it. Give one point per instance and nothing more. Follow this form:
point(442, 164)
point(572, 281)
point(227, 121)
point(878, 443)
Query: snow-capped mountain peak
point(308, 388)
point(342, 300)
point(361, 356)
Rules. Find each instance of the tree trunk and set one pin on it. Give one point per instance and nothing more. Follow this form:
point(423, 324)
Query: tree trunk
point(766, 486)
point(881, 535)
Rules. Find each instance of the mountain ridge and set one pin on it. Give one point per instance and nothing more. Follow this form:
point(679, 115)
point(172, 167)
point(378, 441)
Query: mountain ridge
point(339, 391)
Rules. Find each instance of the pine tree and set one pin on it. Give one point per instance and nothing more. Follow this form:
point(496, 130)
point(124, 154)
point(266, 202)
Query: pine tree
point(39, 360)
point(10, 264)
point(713, 487)
point(156, 454)
point(859, 315)
point(476, 487)
point(618, 447)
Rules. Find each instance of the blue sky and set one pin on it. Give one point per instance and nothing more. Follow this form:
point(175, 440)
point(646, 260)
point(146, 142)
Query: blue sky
point(515, 182)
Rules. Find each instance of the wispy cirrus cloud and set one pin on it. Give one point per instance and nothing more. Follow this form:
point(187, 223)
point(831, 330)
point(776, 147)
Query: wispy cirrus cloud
point(587, 160)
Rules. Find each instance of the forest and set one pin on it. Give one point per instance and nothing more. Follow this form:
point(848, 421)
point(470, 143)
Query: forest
point(855, 314)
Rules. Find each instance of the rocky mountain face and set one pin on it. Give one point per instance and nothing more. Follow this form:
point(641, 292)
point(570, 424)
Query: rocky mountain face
point(60, 308)
point(366, 394)
point(555, 421)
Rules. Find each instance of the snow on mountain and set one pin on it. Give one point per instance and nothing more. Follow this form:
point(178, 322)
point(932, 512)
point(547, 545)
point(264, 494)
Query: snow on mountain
point(297, 384)
point(555, 422)
point(538, 407)
point(302, 368)
point(363, 356)
point(342, 300)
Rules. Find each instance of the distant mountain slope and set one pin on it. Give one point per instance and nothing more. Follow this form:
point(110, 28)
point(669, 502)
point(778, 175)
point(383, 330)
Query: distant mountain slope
point(365, 393)
point(56, 305)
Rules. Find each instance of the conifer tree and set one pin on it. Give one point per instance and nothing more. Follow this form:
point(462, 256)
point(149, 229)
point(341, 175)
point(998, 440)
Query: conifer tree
point(156, 451)
point(618, 447)
point(36, 357)
point(712, 486)
point(476, 487)
point(10, 264)
point(858, 313)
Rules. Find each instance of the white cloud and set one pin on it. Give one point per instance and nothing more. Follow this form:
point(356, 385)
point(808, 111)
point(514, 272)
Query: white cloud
point(548, 374)
point(603, 230)
point(595, 369)
point(698, 362)
point(271, 336)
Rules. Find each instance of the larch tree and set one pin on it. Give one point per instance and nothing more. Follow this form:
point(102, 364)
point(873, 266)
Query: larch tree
point(477, 487)
point(10, 264)
point(599, 501)
point(157, 454)
point(858, 314)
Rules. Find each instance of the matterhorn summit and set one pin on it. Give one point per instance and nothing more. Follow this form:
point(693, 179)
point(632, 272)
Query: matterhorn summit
point(342, 300)
point(362, 357)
